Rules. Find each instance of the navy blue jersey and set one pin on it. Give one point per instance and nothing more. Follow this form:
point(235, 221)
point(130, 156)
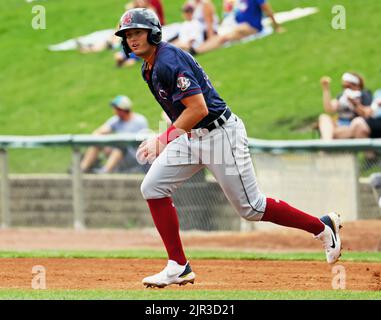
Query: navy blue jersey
point(176, 75)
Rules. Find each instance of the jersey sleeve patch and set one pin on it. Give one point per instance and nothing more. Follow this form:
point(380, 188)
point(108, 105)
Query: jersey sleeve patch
point(186, 85)
point(183, 83)
point(177, 75)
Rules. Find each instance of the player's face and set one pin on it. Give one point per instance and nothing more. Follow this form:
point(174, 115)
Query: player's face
point(138, 43)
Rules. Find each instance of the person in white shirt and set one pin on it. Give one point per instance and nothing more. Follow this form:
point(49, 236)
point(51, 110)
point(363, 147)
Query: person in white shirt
point(191, 32)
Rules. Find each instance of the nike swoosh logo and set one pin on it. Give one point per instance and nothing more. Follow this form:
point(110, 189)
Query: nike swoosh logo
point(333, 243)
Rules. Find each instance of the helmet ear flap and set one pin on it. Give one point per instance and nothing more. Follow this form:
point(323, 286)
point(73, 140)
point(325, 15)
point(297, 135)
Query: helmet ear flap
point(154, 37)
point(125, 47)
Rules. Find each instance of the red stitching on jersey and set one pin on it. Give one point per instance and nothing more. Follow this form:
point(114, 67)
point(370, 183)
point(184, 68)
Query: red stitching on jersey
point(181, 94)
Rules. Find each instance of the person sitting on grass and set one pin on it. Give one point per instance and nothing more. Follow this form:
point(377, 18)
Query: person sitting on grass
point(155, 5)
point(248, 16)
point(368, 123)
point(191, 31)
point(341, 112)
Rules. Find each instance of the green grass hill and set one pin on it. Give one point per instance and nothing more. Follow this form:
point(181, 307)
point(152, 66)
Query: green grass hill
point(272, 84)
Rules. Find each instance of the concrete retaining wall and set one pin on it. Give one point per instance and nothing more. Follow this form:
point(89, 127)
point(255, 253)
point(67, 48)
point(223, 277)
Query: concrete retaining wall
point(115, 201)
point(368, 201)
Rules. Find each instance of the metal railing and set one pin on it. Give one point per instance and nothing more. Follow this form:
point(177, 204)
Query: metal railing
point(78, 141)
point(73, 141)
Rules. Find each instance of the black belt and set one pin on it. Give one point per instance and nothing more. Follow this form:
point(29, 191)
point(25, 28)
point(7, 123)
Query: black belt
point(220, 120)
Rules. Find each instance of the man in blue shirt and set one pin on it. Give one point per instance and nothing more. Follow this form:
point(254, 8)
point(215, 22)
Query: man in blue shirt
point(204, 133)
point(248, 16)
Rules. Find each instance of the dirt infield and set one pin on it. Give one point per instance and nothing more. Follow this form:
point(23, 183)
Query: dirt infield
point(356, 236)
point(126, 274)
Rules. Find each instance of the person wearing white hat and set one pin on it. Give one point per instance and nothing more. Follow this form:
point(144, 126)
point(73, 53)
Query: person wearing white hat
point(353, 102)
point(124, 121)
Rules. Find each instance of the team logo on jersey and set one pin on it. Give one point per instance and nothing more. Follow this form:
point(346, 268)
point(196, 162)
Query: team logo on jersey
point(183, 83)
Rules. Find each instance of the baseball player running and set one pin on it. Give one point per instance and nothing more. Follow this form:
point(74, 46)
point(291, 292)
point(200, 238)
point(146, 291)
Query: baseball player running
point(204, 133)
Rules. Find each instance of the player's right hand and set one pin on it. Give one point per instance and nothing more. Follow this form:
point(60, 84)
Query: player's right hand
point(149, 150)
point(141, 155)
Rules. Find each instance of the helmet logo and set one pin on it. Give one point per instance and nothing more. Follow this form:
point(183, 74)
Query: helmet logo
point(127, 19)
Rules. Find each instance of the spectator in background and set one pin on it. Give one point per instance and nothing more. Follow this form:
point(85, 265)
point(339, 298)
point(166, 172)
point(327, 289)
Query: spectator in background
point(376, 104)
point(198, 14)
point(155, 5)
point(205, 13)
point(191, 31)
point(368, 124)
point(159, 9)
point(124, 121)
point(354, 101)
point(247, 21)
point(228, 6)
point(121, 60)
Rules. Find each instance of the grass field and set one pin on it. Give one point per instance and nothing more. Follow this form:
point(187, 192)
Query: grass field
point(186, 295)
point(164, 294)
point(273, 84)
point(193, 254)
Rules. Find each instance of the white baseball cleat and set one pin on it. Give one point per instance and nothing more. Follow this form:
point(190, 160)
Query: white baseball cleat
point(330, 236)
point(173, 273)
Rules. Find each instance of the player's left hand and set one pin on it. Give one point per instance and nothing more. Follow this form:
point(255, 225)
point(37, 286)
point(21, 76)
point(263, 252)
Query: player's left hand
point(149, 150)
